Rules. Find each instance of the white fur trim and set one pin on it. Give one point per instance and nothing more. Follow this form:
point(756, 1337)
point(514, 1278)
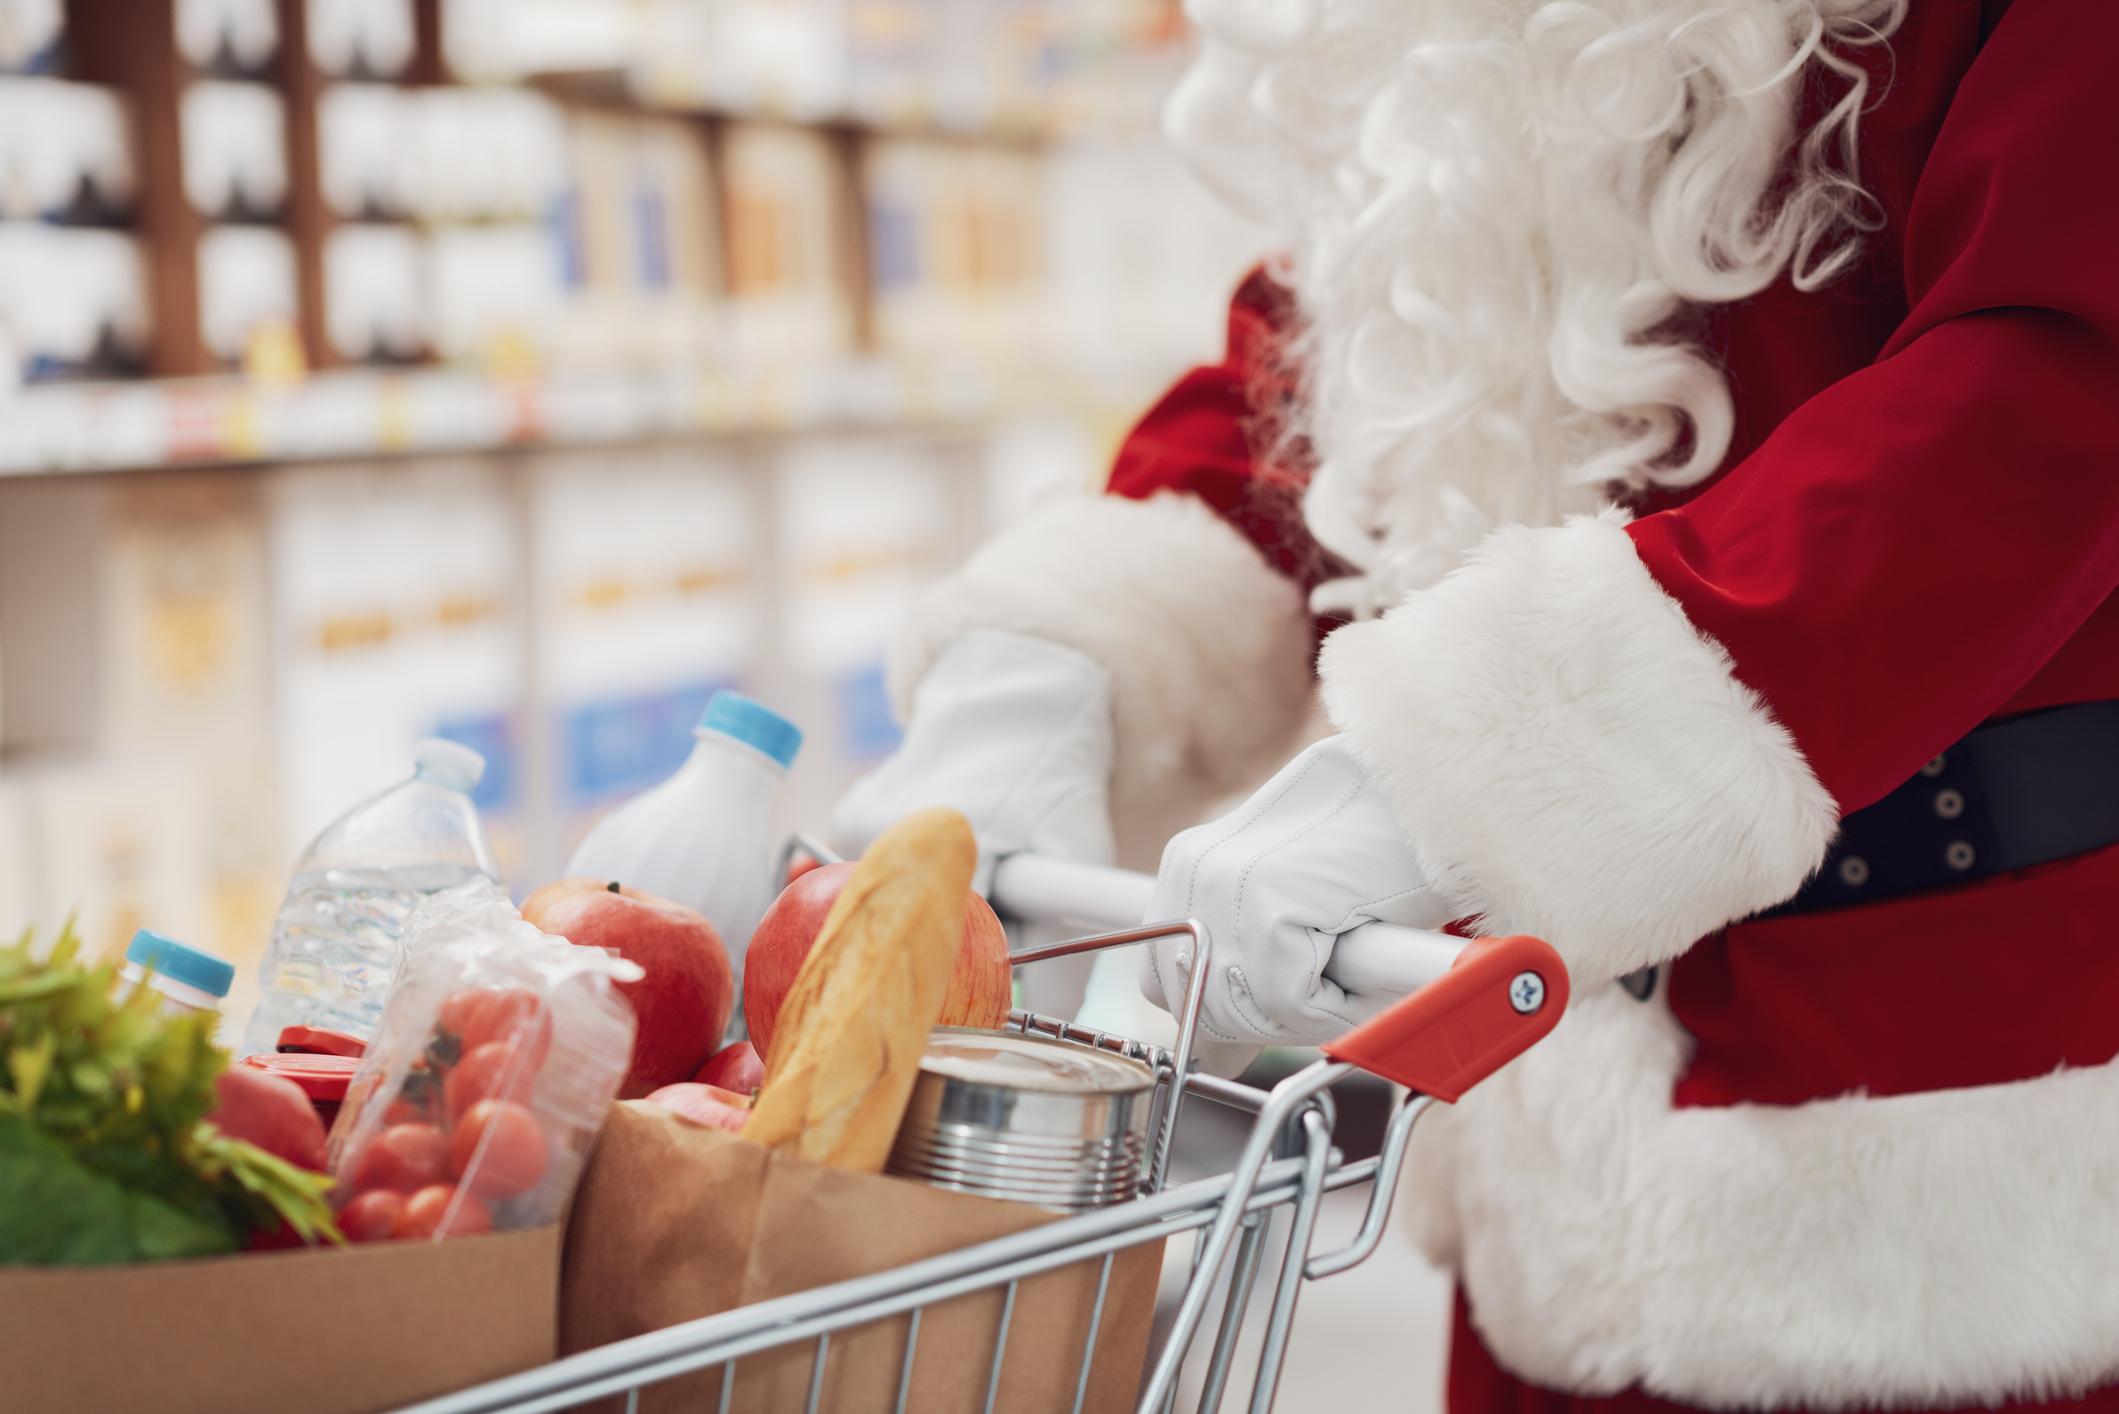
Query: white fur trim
point(1207, 646)
point(1570, 758)
point(1954, 1248)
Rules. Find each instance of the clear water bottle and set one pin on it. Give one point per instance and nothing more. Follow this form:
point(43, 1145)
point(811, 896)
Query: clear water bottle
point(335, 943)
point(703, 838)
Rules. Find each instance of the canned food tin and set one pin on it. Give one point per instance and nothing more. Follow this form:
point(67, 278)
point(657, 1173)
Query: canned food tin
point(1026, 1119)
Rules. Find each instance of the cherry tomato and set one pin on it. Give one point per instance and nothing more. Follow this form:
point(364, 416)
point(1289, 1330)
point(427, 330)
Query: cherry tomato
point(478, 1016)
point(498, 1151)
point(492, 1072)
point(403, 1158)
point(372, 1216)
point(403, 1111)
point(427, 1213)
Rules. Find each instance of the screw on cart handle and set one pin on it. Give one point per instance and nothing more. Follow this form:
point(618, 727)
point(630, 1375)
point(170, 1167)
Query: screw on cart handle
point(1499, 998)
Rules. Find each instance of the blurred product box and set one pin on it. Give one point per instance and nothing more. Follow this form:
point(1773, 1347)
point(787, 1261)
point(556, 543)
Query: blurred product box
point(246, 292)
point(953, 246)
point(234, 150)
point(228, 36)
point(488, 154)
point(73, 302)
point(374, 309)
point(1139, 259)
point(395, 614)
point(785, 219)
point(894, 49)
point(66, 152)
point(367, 136)
point(181, 589)
point(119, 839)
point(18, 864)
point(861, 527)
point(29, 34)
point(501, 41)
point(640, 249)
point(649, 597)
point(493, 293)
point(783, 59)
point(361, 38)
point(187, 843)
point(133, 615)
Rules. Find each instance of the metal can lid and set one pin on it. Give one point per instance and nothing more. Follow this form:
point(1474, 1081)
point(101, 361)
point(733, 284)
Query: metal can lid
point(1013, 1061)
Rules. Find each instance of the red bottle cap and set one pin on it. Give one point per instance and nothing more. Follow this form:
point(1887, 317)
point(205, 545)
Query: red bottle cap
point(322, 1078)
point(315, 1040)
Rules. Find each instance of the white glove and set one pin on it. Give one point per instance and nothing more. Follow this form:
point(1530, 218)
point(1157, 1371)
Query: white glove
point(1013, 731)
point(1016, 733)
point(1314, 853)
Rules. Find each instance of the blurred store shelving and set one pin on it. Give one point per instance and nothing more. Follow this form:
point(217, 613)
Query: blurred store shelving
point(523, 370)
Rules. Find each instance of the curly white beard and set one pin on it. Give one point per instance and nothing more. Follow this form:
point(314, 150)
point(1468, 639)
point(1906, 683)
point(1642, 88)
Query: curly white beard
point(1497, 211)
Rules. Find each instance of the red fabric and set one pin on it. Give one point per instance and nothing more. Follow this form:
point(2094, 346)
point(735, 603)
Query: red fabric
point(1917, 529)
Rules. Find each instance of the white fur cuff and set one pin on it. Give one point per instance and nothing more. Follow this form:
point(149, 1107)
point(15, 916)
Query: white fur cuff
point(1571, 758)
point(1207, 645)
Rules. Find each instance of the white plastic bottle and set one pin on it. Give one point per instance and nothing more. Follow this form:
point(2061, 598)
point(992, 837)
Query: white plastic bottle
point(335, 943)
point(703, 837)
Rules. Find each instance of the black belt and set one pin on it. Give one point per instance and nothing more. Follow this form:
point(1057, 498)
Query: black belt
point(2022, 791)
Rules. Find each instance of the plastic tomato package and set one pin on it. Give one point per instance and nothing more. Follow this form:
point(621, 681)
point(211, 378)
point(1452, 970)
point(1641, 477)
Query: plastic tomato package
point(499, 1051)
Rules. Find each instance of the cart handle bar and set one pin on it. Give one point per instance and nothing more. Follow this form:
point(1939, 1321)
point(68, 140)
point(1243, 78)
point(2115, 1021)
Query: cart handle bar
point(1376, 959)
point(1465, 1008)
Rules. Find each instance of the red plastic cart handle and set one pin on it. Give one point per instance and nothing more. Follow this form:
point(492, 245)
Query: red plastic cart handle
point(1501, 996)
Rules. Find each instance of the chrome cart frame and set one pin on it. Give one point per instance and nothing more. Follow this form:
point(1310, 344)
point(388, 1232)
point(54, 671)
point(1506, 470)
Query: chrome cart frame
point(1288, 1163)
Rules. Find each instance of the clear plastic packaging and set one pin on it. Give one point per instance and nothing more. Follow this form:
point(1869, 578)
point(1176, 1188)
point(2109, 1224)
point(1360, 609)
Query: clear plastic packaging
point(336, 943)
point(499, 1052)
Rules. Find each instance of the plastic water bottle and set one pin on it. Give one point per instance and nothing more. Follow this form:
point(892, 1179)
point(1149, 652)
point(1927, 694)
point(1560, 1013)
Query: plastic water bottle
point(703, 837)
point(335, 943)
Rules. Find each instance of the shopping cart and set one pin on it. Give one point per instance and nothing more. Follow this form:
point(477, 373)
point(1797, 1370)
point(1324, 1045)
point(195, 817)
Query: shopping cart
point(1468, 1008)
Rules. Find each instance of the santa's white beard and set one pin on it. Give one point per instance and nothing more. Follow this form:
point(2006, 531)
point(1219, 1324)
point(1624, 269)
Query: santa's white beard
point(1497, 213)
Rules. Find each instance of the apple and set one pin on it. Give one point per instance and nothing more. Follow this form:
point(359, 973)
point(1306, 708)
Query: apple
point(709, 1106)
point(682, 1004)
point(271, 1112)
point(736, 1068)
point(980, 987)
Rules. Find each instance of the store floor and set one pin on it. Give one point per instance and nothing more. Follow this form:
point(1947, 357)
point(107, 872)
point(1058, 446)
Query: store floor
point(1371, 1340)
point(1367, 1341)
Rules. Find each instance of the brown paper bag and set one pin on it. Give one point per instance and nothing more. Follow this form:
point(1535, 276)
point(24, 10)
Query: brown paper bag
point(673, 1222)
point(324, 1331)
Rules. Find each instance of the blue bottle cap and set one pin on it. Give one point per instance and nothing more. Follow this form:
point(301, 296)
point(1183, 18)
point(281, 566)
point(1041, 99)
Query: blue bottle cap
point(754, 724)
point(179, 963)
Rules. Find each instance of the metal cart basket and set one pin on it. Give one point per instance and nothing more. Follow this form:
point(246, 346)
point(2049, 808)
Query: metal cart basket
point(1469, 1008)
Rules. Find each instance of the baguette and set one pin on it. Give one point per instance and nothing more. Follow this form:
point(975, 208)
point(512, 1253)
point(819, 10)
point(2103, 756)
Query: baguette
point(851, 1032)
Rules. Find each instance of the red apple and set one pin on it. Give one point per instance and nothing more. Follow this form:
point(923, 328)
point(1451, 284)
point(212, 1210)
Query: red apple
point(684, 1001)
point(736, 1068)
point(980, 987)
point(271, 1112)
point(706, 1105)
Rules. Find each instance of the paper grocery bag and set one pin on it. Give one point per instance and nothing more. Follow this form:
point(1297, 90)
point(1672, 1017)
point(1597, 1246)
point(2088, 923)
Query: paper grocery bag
point(673, 1222)
point(320, 1330)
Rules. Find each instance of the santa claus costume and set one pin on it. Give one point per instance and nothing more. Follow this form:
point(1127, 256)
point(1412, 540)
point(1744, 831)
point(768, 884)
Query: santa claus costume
point(1691, 428)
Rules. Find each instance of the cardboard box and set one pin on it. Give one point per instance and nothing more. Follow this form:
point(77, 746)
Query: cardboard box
point(325, 1332)
point(673, 1222)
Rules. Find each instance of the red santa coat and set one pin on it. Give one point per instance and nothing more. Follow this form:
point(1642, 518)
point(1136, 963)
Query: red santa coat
point(1917, 530)
point(1844, 1159)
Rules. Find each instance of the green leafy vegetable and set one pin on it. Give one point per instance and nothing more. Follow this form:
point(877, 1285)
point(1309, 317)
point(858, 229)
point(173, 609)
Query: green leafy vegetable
point(105, 1151)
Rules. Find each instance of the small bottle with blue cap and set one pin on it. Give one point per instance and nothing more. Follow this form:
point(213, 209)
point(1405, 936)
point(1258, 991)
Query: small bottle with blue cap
point(187, 978)
point(703, 837)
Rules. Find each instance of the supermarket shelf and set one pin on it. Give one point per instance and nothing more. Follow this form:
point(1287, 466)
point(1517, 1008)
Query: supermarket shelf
point(134, 426)
point(908, 110)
